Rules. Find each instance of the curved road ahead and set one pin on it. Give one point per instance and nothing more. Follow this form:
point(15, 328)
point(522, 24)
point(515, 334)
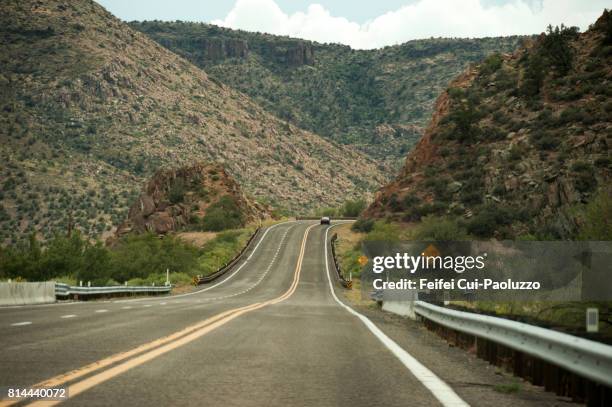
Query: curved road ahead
point(272, 333)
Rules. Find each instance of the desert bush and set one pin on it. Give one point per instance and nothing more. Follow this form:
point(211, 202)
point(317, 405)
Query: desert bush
point(597, 216)
point(464, 114)
point(384, 231)
point(137, 256)
point(439, 229)
point(176, 192)
point(470, 197)
point(223, 214)
point(544, 140)
point(95, 265)
point(220, 250)
point(533, 77)
point(327, 212)
point(363, 225)
point(584, 180)
point(603, 162)
point(491, 64)
point(353, 208)
point(488, 219)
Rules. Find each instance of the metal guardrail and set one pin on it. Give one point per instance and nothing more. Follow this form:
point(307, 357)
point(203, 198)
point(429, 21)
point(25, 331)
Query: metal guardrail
point(589, 359)
point(343, 281)
point(228, 266)
point(377, 295)
point(65, 290)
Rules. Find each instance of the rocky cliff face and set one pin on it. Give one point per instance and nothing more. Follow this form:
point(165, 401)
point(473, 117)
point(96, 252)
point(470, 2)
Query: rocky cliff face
point(210, 50)
point(295, 53)
point(207, 45)
point(175, 199)
point(517, 142)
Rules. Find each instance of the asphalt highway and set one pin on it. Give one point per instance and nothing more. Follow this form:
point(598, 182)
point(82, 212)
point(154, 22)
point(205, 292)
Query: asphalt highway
point(274, 332)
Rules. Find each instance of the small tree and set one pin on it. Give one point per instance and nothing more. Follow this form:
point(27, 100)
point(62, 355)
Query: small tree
point(597, 223)
point(534, 75)
point(96, 264)
point(556, 47)
point(464, 114)
point(176, 192)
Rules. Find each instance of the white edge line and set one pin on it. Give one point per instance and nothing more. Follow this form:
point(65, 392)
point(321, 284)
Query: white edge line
point(441, 391)
point(220, 282)
point(34, 306)
point(21, 323)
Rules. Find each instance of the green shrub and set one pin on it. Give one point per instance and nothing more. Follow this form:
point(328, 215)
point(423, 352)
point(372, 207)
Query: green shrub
point(570, 115)
point(177, 190)
point(491, 64)
point(220, 250)
point(582, 166)
point(597, 217)
point(327, 212)
point(544, 140)
point(533, 77)
point(585, 182)
point(584, 176)
point(439, 229)
point(137, 256)
point(223, 214)
point(556, 48)
point(488, 219)
point(470, 197)
point(96, 265)
point(363, 225)
point(464, 114)
point(410, 201)
point(603, 162)
point(384, 231)
point(353, 208)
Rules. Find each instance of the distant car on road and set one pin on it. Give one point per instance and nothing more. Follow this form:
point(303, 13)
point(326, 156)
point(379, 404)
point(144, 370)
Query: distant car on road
point(325, 220)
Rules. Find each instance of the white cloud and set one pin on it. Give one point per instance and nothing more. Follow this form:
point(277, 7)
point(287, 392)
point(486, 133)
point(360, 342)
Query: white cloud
point(421, 19)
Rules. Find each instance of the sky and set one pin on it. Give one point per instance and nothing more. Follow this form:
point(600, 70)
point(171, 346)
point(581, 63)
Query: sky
point(367, 24)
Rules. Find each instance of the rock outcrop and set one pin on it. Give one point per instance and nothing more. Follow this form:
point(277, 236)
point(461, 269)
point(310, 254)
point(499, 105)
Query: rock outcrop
point(296, 53)
point(175, 199)
point(210, 50)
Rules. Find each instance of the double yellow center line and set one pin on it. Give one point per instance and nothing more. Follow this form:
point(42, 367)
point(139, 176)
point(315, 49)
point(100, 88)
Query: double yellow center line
point(151, 350)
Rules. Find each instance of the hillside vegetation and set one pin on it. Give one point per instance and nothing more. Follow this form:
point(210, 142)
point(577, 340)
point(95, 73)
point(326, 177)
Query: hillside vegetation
point(138, 259)
point(89, 107)
point(377, 100)
point(518, 145)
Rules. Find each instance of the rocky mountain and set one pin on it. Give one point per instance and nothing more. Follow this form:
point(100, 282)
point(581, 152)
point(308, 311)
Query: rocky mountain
point(377, 100)
point(517, 143)
point(90, 107)
point(196, 197)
